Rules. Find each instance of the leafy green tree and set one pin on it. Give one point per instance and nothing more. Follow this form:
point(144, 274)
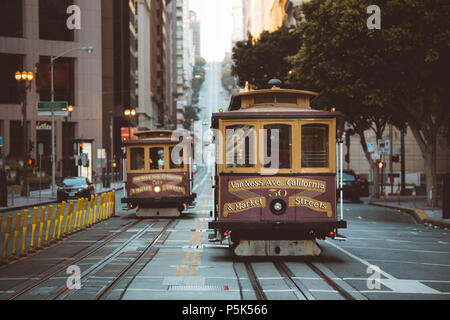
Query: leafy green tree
point(228, 80)
point(258, 61)
point(375, 77)
point(190, 115)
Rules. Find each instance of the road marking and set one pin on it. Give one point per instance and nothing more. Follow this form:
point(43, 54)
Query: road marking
point(368, 264)
point(412, 262)
point(394, 249)
point(396, 285)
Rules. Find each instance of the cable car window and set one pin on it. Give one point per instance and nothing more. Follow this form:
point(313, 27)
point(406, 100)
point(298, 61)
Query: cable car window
point(177, 159)
point(137, 156)
point(240, 142)
point(264, 98)
point(278, 146)
point(315, 146)
point(156, 158)
point(287, 98)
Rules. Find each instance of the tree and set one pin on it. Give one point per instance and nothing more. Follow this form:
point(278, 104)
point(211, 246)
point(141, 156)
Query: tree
point(258, 61)
point(336, 61)
point(228, 80)
point(190, 115)
point(392, 75)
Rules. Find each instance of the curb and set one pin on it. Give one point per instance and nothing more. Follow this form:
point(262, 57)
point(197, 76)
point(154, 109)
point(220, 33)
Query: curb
point(417, 214)
point(30, 205)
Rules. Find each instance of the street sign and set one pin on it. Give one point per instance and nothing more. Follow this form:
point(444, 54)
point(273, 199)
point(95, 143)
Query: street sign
point(53, 106)
point(55, 113)
point(384, 146)
point(41, 149)
point(1, 141)
point(376, 156)
point(370, 147)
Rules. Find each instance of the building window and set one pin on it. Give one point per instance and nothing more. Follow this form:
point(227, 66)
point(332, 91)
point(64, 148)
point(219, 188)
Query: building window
point(11, 18)
point(16, 140)
point(64, 79)
point(53, 20)
point(9, 65)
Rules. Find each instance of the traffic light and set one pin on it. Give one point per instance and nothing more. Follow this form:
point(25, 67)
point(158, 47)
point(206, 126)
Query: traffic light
point(380, 165)
point(30, 162)
point(114, 164)
point(81, 148)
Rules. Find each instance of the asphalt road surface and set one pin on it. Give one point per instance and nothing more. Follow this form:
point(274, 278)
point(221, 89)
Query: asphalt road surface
point(165, 259)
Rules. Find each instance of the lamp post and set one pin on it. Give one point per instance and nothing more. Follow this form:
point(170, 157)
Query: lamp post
point(129, 114)
point(24, 80)
point(88, 49)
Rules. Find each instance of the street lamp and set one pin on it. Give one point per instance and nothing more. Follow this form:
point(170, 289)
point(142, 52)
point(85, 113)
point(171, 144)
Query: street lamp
point(88, 49)
point(129, 113)
point(24, 80)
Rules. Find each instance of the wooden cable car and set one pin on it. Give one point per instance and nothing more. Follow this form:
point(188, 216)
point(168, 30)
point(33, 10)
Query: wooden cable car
point(159, 176)
point(275, 180)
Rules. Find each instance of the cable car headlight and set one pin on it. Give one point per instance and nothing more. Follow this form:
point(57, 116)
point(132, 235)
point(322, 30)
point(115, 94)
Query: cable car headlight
point(278, 206)
point(157, 189)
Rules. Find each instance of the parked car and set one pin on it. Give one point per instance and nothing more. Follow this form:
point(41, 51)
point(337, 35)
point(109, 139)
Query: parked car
point(352, 186)
point(75, 187)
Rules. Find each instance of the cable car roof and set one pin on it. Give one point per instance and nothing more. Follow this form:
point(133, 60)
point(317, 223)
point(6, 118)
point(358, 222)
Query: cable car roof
point(274, 97)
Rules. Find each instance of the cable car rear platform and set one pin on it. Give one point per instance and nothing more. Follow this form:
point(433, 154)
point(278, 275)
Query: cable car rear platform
point(276, 230)
point(162, 202)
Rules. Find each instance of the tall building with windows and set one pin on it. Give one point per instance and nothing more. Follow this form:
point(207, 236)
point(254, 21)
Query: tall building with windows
point(30, 33)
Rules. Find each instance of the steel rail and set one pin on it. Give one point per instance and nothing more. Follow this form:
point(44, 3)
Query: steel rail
point(100, 245)
point(259, 292)
point(127, 270)
point(64, 291)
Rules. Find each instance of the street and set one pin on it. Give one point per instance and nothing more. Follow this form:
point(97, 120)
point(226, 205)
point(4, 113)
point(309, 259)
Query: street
point(127, 258)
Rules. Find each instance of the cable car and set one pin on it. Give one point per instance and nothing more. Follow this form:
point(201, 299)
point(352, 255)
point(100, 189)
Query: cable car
point(275, 174)
point(159, 176)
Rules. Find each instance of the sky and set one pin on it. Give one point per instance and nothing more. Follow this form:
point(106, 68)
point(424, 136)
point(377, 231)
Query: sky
point(216, 25)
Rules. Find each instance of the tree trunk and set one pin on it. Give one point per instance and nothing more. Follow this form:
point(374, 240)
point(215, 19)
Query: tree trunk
point(372, 164)
point(430, 174)
point(427, 144)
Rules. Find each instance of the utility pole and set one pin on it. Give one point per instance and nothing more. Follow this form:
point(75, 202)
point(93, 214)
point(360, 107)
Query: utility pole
point(402, 160)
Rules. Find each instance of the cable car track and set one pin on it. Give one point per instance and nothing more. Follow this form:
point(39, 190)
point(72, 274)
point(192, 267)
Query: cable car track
point(126, 271)
point(77, 258)
point(294, 284)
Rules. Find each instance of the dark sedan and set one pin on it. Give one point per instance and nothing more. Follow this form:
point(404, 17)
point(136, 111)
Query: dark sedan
point(352, 187)
point(75, 187)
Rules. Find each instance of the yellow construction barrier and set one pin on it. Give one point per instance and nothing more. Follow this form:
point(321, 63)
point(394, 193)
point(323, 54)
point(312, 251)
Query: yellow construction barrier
point(83, 223)
point(77, 213)
point(33, 227)
point(16, 234)
point(95, 216)
point(6, 240)
point(100, 209)
point(63, 207)
point(24, 232)
point(91, 206)
point(68, 218)
point(49, 224)
point(55, 226)
point(41, 226)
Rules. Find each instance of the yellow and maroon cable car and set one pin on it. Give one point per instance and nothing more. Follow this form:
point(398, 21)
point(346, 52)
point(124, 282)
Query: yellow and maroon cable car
point(159, 176)
point(275, 210)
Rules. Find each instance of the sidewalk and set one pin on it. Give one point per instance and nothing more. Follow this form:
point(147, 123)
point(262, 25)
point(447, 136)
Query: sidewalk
point(16, 202)
point(417, 208)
